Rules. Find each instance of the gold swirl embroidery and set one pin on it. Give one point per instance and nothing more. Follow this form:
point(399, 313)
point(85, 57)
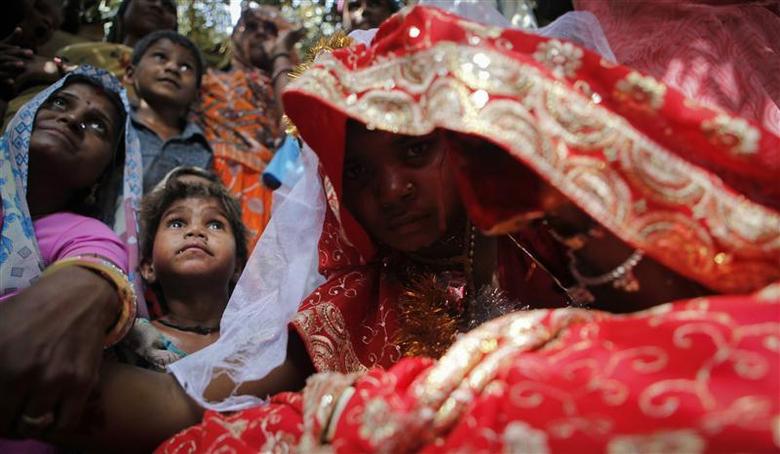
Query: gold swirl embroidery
point(640, 92)
point(563, 58)
point(732, 133)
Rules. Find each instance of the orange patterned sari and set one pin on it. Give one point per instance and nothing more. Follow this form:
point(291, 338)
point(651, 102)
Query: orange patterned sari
point(238, 117)
point(692, 186)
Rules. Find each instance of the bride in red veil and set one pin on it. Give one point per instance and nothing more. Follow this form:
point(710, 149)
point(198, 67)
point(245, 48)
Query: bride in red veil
point(651, 200)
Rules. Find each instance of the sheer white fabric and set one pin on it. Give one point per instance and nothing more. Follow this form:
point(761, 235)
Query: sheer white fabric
point(579, 27)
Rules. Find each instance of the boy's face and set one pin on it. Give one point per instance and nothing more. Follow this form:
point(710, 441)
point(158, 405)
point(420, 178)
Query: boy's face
point(165, 73)
point(400, 188)
point(194, 240)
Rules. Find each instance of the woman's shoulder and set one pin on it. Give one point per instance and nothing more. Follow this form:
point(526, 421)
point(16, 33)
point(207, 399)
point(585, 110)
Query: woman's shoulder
point(68, 234)
point(66, 221)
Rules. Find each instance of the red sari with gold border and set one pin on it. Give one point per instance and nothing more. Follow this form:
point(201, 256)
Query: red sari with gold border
point(675, 179)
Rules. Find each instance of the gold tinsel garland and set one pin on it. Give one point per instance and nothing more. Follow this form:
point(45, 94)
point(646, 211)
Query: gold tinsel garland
point(330, 43)
point(429, 317)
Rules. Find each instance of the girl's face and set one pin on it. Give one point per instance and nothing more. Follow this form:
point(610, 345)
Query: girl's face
point(194, 241)
point(400, 188)
point(74, 136)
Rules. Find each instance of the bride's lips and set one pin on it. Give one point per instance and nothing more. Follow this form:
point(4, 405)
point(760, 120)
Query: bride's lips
point(407, 223)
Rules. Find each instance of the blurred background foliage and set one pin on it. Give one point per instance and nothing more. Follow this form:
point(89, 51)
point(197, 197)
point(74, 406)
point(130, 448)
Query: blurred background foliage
point(209, 23)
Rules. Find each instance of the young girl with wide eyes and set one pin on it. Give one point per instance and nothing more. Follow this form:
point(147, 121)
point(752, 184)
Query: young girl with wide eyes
point(194, 248)
point(63, 271)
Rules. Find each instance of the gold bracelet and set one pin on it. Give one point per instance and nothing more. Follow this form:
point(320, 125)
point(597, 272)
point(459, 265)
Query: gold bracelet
point(121, 283)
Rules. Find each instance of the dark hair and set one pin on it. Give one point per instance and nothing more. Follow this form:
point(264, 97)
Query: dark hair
point(159, 200)
point(146, 42)
point(116, 33)
point(109, 183)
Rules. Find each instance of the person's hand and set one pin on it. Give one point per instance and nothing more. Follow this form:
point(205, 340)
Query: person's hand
point(150, 344)
point(13, 60)
point(37, 70)
point(51, 346)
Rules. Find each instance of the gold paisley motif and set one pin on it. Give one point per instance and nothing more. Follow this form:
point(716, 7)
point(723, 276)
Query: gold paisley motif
point(389, 111)
point(323, 331)
point(658, 179)
point(745, 227)
point(732, 133)
point(575, 122)
point(600, 188)
point(640, 92)
point(563, 58)
point(671, 233)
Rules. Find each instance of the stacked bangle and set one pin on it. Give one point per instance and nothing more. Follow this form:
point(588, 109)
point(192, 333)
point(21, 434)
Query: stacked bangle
point(279, 72)
point(119, 279)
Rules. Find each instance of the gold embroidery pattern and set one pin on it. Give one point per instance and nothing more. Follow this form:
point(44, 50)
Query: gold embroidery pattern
point(519, 437)
point(640, 92)
point(564, 59)
point(734, 134)
point(770, 294)
point(326, 338)
point(378, 424)
point(676, 442)
point(594, 156)
point(471, 363)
